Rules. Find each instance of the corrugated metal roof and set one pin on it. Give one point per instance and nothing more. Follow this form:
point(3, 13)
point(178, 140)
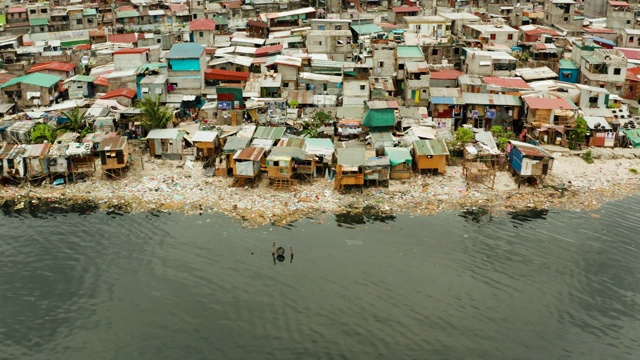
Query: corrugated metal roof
point(366, 29)
point(234, 144)
point(544, 103)
point(405, 51)
point(491, 99)
point(113, 143)
point(288, 151)
point(36, 150)
point(507, 82)
point(165, 134)
point(185, 51)
point(445, 74)
point(269, 132)
point(203, 24)
point(351, 156)
point(530, 150)
point(445, 92)
point(398, 155)
point(251, 154)
point(323, 147)
point(37, 79)
point(431, 147)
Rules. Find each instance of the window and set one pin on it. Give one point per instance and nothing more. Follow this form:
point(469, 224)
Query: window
point(324, 87)
point(195, 16)
point(32, 11)
point(566, 74)
point(617, 71)
point(618, 87)
point(319, 42)
point(631, 89)
point(510, 37)
point(630, 39)
point(338, 27)
point(362, 87)
point(238, 69)
point(89, 21)
point(43, 11)
point(320, 27)
point(566, 18)
point(456, 51)
point(201, 34)
point(79, 21)
point(400, 66)
point(380, 64)
point(628, 22)
point(435, 52)
point(41, 28)
point(492, 36)
point(159, 41)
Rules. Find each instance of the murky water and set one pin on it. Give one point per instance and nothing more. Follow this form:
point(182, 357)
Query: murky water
point(530, 285)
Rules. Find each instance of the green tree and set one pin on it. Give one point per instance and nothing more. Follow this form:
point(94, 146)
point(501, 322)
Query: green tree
point(579, 133)
point(43, 132)
point(76, 121)
point(293, 104)
point(152, 114)
point(311, 128)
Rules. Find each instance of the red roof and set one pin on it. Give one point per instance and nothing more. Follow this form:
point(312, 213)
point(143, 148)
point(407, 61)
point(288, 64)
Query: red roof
point(52, 65)
point(102, 81)
point(231, 4)
point(631, 54)
point(388, 26)
point(593, 30)
point(268, 50)
point(252, 154)
point(4, 77)
point(256, 23)
point(405, 9)
point(124, 92)
point(177, 7)
point(132, 51)
point(129, 38)
point(215, 74)
point(506, 82)
point(83, 47)
point(202, 25)
point(634, 70)
point(618, 3)
point(15, 10)
point(446, 74)
point(542, 30)
point(550, 104)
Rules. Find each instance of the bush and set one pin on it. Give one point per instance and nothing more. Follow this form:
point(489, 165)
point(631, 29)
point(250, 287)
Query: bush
point(633, 171)
point(464, 135)
point(588, 157)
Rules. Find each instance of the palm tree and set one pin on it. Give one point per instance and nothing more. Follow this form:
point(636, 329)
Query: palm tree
point(76, 121)
point(154, 115)
point(43, 132)
point(311, 129)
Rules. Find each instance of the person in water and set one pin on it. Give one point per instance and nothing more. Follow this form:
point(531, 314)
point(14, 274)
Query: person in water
point(279, 253)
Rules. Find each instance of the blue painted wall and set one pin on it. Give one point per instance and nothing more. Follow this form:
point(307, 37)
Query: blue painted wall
point(572, 79)
point(185, 64)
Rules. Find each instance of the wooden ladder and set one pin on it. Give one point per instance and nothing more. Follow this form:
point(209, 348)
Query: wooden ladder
point(283, 183)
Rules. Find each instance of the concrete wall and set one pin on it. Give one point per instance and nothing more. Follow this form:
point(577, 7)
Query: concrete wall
point(129, 61)
point(384, 61)
point(355, 92)
point(620, 19)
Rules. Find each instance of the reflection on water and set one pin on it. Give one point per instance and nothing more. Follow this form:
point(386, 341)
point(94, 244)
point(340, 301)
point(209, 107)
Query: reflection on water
point(450, 286)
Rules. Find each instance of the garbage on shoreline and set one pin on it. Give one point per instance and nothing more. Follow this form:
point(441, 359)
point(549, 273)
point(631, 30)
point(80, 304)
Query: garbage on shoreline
point(165, 185)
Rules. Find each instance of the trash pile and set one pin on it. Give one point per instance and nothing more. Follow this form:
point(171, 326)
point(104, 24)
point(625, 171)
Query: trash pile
point(182, 186)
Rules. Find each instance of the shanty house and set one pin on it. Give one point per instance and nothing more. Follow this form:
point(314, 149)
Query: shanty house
point(288, 161)
point(81, 158)
point(62, 69)
point(549, 119)
point(350, 167)
point(205, 143)
point(114, 155)
point(401, 160)
point(271, 133)
point(485, 110)
point(380, 116)
point(232, 145)
point(166, 143)
point(528, 160)
point(202, 31)
point(187, 63)
point(430, 155)
point(80, 86)
point(376, 168)
point(131, 58)
point(13, 166)
point(247, 163)
point(34, 89)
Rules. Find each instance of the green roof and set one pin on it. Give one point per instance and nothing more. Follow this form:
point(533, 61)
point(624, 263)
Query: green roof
point(268, 132)
point(37, 79)
point(567, 64)
point(3, 19)
point(634, 136)
point(398, 155)
point(379, 118)
point(84, 78)
point(592, 59)
point(220, 20)
point(366, 29)
point(147, 66)
point(89, 12)
point(430, 147)
point(38, 22)
point(410, 51)
point(127, 14)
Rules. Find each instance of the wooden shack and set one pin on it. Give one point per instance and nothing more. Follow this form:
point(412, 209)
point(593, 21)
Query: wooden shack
point(81, 159)
point(246, 166)
point(12, 164)
point(285, 164)
point(225, 163)
point(400, 160)
point(430, 155)
point(601, 132)
point(114, 156)
point(529, 161)
point(206, 144)
point(376, 168)
point(166, 143)
point(35, 160)
point(350, 167)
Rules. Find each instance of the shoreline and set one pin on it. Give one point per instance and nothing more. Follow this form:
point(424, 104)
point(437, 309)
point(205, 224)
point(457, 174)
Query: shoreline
point(166, 185)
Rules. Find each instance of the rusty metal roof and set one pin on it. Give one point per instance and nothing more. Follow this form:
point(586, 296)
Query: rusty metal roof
point(251, 154)
point(113, 143)
point(36, 150)
point(530, 150)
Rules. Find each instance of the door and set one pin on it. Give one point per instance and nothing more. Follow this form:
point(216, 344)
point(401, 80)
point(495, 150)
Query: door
point(157, 145)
